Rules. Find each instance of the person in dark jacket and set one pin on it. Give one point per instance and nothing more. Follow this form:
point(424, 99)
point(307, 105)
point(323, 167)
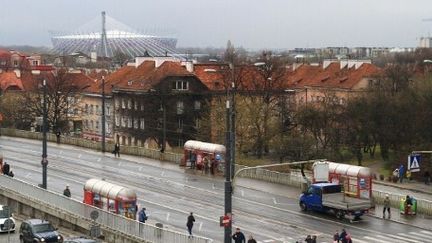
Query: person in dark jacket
point(190, 223)
point(238, 236)
point(426, 176)
point(142, 217)
point(251, 239)
point(308, 239)
point(67, 192)
point(116, 151)
point(6, 168)
point(342, 236)
point(336, 237)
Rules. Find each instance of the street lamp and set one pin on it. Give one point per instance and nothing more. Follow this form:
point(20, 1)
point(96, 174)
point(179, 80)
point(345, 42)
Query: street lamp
point(103, 115)
point(44, 161)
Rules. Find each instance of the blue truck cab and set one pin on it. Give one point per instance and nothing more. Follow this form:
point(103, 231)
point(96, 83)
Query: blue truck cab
point(330, 198)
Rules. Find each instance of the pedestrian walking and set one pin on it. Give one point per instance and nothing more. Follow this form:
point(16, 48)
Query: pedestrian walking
point(67, 192)
point(342, 236)
point(116, 151)
point(190, 223)
point(336, 237)
point(238, 236)
point(251, 239)
point(6, 168)
point(348, 238)
point(142, 216)
point(308, 239)
point(314, 239)
point(386, 206)
point(426, 177)
point(395, 177)
point(58, 133)
point(401, 173)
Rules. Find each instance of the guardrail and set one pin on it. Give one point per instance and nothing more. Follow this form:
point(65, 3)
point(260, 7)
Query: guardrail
point(295, 179)
point(81, 142)
point(106, 219)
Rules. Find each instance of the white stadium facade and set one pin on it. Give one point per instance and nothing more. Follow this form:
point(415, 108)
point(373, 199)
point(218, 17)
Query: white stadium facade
point(112, 37)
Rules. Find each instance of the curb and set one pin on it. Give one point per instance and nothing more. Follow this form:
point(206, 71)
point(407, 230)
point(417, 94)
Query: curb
point(399, 222)
point(401, 187)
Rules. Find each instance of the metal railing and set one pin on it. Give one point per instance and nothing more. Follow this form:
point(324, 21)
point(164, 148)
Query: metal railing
point(81, 142)
point(106, 219)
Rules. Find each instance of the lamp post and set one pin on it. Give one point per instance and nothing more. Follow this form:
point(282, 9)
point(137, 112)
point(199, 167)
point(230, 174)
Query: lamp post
point(103, 114)
point(44, 141)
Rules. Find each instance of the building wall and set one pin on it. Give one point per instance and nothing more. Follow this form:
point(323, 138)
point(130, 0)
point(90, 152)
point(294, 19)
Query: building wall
point(91, 107)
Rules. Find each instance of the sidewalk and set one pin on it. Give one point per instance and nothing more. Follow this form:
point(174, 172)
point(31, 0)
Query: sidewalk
point(412, 188)
point(419, 220)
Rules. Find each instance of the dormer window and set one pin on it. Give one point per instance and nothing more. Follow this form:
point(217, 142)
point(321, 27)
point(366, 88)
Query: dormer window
point(181, 85)
point(129, 82)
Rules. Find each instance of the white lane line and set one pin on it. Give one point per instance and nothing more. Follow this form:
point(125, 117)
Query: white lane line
point(163, 173)
point(28, 175)
point(404, 239)
point(200, 227)
point(98, 160)
point(213, 186)
point(268, 241)
point(79, 156)
point(140, 169)
point(167, 217)
point(426, 232)
point(411, 236)
point(119, 164)
point(274, 201)
point(242, 193)
point(372, 239)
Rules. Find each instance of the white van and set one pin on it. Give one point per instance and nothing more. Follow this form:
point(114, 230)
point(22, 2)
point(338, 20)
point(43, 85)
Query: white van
point(4, 215)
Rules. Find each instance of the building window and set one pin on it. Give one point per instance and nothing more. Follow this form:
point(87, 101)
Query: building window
point(130, 122)
point(136, 123)
point(142, 125)
point(136, 105)
point(181, 85)
point(180, 107)
point(97, 125)
point(197, 104)
point(129, 104)
point(91, 109)
point(92, 125)
point(86, 124)
point(123, 103)
point(180, 123)
point(86, 109)
point(197, 123)
point(97, 110)
point(117, 103)
point(35, 63)
point(123, 121)
point(142, 106)
point(107, 110)
point(15, 63)
point(117, 121)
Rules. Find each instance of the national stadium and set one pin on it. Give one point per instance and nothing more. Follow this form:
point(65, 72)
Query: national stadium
point(109, 36)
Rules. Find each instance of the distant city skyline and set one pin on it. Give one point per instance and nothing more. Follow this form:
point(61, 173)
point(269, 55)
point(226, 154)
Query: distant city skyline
point(252, 24)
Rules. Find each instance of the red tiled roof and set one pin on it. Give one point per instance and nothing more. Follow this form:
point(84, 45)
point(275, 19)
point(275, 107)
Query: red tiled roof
point(9, 80)
point(211, 75)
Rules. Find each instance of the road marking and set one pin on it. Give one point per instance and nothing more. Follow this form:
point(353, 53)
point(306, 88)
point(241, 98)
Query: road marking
point(200, 227)
point(79, 156)
point(163, 173)
point(28, 175)
point(274, 201)
point(167, 217)
point(397, 237)
point(98, 160)
point(426, 232)
point(140, 168)
point(119, 164)
point(411, 236)
point(372, 239)
point(268, 241)
point(242, 192)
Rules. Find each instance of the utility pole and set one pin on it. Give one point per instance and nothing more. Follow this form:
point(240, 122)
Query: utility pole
point(228, 184)
point(233, 121)
point(164, 127)
point(44, 141)
point(103, 115)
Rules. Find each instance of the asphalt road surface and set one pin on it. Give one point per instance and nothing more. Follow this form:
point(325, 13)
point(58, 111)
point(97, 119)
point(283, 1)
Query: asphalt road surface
point(269, 212)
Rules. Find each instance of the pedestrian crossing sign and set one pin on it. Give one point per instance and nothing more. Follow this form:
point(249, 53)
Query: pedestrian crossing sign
point(414, 162)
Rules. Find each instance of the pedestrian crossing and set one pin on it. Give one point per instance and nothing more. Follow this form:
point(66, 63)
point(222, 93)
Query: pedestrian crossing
point(422, 236)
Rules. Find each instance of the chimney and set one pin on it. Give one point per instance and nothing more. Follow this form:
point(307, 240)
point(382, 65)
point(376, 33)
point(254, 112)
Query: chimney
point(189, 66)
point(18, 73)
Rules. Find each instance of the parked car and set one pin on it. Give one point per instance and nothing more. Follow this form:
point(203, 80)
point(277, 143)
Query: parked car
point(79, 240)
point(38, 230)
point(5, 214)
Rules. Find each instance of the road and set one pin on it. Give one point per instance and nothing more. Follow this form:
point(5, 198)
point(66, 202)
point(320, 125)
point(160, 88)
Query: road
point(269, 212)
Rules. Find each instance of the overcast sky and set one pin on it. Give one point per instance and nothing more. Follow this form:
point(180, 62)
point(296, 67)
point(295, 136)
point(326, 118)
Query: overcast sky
point(255, 24)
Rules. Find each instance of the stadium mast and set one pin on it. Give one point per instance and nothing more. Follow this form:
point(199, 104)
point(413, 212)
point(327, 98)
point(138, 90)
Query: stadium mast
point(104, 46)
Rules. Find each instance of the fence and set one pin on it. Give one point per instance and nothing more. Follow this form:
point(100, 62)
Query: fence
point(106, 219)
point(132, 150)
point(294, 178)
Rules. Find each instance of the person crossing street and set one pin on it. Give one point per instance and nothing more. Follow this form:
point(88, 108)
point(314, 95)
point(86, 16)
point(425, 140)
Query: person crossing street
point(190, 223)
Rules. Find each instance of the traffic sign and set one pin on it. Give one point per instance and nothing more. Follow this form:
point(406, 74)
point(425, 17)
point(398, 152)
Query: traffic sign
point(225, 221)
point(414, 162)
